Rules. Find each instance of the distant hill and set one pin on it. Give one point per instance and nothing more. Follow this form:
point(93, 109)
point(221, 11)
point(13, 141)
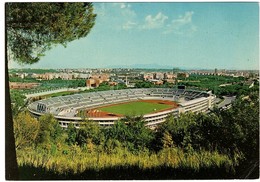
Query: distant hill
point(29, 70)
point(146, 66)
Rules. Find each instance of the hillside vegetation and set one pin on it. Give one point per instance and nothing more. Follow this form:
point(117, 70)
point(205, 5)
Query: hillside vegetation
point(222, 144)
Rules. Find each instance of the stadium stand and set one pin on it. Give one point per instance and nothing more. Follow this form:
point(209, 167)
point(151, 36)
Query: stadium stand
point(65, 108)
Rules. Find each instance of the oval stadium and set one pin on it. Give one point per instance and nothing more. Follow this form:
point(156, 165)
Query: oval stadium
point(106, 107)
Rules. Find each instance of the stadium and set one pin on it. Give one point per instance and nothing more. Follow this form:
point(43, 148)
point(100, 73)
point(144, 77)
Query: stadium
point(107, 107)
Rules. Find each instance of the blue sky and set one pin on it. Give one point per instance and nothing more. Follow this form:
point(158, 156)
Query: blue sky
point(184, 35)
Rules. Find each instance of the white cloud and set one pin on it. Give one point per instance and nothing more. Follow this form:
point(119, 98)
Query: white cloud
point(115, 15)
point(123, 5)
point(122, 16)
point(154, 22)
point(129, 25)
point(111, 9)
point(182, 25)
point(117, 4)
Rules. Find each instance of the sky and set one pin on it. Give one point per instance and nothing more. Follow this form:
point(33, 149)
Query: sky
point(183, 35)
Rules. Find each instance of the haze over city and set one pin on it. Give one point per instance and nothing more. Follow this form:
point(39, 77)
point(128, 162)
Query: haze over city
point(161, 35)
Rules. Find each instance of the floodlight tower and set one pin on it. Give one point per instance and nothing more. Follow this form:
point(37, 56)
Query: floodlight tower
point(126, 80)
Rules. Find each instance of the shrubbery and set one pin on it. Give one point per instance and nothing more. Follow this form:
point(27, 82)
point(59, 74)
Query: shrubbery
point(219, 141)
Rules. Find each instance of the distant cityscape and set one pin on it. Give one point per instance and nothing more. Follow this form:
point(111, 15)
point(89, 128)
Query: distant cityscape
point(127, 76)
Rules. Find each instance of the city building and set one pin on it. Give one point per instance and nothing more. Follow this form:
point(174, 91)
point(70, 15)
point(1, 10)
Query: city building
point(20, 85)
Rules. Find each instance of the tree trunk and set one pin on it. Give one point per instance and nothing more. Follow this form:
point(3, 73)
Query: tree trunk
point(11, 167)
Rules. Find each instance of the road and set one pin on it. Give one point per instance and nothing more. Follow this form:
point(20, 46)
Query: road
point(226, 101)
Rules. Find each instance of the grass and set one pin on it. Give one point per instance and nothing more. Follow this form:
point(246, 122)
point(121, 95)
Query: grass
point(135, 108)
point(171, 163)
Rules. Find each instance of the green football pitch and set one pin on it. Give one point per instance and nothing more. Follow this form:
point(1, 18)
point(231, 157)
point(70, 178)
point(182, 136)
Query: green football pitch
point(135, 108)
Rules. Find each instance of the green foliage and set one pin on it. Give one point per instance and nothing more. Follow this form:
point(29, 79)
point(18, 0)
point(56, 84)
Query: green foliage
point(134, 135)
point(17, 101)
point(147, 84)
point(166, 140)
point(60, 23)
point(89, 132)
point(141, 135)
point(234, 132)
point(50, 130)
point(143, 84)
point(112, 146)
point(77, 83)
point(241, 128)
point(31, 30)
point(204, 144)
point(118, 131)
point(26, 129)
point(80, 163)
point(103, 86)
point(72, 134)
point(237, 89)
point(32, 70)
point(23, 80)
point(213, 82)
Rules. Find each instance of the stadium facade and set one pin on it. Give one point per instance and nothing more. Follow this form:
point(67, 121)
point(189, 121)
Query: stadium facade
point(65, 108)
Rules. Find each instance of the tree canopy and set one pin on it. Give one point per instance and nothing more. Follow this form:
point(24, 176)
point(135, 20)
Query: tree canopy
point(32, 28)
point(18, 103)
